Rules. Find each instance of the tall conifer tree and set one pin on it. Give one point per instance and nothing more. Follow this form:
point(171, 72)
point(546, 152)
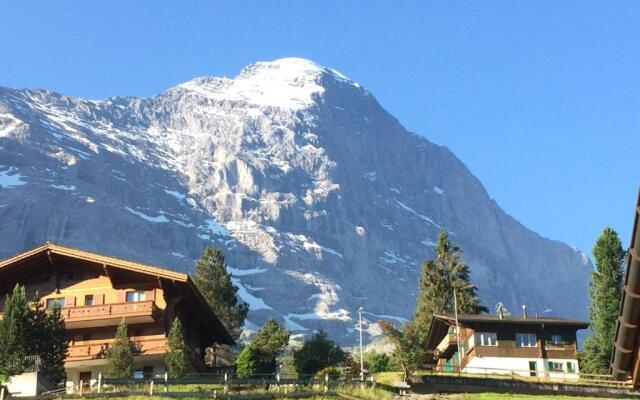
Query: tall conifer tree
point(177, 359)
point(14, 333)
point(605, 290)
point(211, 277)
point(440, 276)
point(120, 355)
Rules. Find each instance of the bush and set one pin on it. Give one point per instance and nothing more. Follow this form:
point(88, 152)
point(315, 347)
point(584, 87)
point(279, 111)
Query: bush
point(376, 362)
point(332, 371)
point(246, 363)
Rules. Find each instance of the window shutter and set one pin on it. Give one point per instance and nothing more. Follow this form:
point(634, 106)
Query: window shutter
point(150, 295)
point(121, 296)
point(70, 301)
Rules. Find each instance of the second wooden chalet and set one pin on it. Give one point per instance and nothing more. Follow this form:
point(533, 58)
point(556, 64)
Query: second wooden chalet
point(490, 344)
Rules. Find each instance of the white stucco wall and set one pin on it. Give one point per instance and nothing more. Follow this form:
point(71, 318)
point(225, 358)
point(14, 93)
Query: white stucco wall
point(519, 366)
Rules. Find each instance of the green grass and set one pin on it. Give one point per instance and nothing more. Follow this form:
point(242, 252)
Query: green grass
point(508, 396)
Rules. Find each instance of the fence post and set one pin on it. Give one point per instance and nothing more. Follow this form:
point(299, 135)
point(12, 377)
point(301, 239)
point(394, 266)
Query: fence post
point(2, 393)
point(100, 382)
point(226, 384)
point(326, 383)
point(278, 384)
point(81, 387)
point(151, 388)
point(166, 384)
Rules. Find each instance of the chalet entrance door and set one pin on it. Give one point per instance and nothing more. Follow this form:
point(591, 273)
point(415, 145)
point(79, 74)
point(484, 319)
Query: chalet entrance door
point(533, 368)
point(85, 380)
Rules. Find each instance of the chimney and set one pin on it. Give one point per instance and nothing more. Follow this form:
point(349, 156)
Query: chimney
point(524, 311)
point(501, 313)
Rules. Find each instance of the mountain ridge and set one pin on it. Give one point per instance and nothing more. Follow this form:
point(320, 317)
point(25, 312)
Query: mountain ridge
point(315, 193)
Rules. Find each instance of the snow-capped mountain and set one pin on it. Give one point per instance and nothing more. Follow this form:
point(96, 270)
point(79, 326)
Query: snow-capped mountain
point(320, 199)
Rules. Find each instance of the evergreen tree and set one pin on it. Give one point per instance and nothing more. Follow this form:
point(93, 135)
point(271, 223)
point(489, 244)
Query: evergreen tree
point(317, 354)
point(14, 328)
point(440, 277)
point(605, 290)
point(177, 358)
point(120, 355)
point(268, 343)
point(46, 337)
point(376, 361)
point(247, 363)
point(211, 277)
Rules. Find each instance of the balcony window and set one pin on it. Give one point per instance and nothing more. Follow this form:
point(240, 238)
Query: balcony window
point(59, 302)
point(554, 366)
point(526, 340)
point(135, 296)
point(486, 339)
point(88, 300)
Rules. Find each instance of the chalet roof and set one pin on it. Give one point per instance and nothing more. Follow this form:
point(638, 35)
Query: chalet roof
point(512, 320)
point(440, 324)
point(625, 355)
point(48, 250)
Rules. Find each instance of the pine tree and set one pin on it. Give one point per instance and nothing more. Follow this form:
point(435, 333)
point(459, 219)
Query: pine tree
point(246, 363)
point(14, 328)
point(47, 338)
point(605, 290)
point(268, 343)
point(211, 277)
point(177, 358)
point(120, 355)
point(440, 276)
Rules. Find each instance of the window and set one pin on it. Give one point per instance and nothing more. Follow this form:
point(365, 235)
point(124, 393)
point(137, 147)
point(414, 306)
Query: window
point(526, 340)
point(88, 300)
point(146, 372)
point(134, 296)
point(55, 302)
point(555, 366)
point(70, 276)
point(571, 368)
point(486, 339)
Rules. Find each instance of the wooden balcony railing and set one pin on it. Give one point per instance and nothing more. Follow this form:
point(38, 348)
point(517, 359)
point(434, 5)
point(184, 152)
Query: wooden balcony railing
point(105, 311)
point(94, 349)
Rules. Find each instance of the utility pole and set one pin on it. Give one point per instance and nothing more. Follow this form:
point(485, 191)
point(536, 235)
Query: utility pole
point(361, 356)
point(455, 309)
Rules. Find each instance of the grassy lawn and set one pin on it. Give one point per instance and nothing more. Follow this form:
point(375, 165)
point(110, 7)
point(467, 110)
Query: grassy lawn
point(507, 396)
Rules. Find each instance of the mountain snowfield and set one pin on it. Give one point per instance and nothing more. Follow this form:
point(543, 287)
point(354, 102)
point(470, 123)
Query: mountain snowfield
point(319, 198)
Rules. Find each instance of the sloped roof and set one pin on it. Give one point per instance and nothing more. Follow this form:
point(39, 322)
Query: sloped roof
point(510, 320)
point(624, 362)
point(26, 259)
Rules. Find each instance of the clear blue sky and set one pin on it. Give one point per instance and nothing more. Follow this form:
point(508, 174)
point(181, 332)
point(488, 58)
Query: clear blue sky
point(541, 99)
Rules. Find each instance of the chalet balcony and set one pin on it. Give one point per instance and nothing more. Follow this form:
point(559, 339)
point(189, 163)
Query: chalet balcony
point(97, 349)
point(447, 346)
point(110, 314)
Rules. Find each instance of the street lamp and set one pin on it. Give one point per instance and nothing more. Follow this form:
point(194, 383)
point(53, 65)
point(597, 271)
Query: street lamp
point(361, 357)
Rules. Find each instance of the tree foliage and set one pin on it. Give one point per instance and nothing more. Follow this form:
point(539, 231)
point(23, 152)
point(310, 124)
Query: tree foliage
point(14, 328)
point(27, 329)
point(177, 358)
point(211, 278)
point(408, 351)
point(375, 361)
point(120, 355)
point(441, 276)
point(268, 343)
point(317, 353)
point(247, 362)
point(605, 290)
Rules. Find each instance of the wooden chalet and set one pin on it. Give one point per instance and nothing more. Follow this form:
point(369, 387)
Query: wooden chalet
point(491, 344)
point(625, 363)
point(96, 292)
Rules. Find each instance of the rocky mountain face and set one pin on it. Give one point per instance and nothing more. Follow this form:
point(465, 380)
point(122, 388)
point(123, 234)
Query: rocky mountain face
point(319, 198)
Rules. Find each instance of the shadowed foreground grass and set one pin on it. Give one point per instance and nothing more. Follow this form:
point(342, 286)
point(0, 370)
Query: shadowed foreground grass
point(507, 396)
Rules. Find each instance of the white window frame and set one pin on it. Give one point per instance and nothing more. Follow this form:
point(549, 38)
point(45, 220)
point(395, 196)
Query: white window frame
point(486, 339)
point(136, 296)
point(556, 342)
point(528, 343)
point(51, 302)
point(557, 366)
